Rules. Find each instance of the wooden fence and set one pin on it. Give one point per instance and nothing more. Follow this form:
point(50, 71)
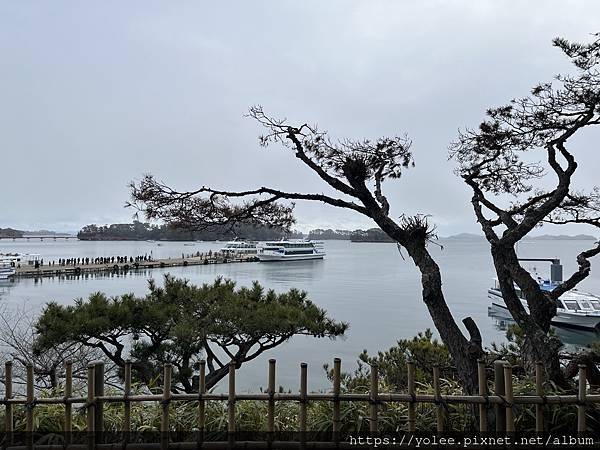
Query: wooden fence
point(501, 398)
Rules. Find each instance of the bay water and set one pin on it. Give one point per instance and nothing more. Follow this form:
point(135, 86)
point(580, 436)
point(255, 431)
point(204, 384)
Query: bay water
point(372, 286)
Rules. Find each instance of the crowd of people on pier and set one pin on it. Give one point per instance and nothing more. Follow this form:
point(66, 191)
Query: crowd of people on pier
point(100, 260)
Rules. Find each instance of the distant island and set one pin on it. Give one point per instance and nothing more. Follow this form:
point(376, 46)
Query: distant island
point(13, 233)
point(464, 237)
point(370, 235)
point(139, 231)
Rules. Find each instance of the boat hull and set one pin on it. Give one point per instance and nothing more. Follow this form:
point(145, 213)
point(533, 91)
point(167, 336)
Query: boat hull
point(271, 258)
point(582, 321)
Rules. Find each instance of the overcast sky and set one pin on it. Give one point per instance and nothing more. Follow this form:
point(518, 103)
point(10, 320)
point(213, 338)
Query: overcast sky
point(95, 94)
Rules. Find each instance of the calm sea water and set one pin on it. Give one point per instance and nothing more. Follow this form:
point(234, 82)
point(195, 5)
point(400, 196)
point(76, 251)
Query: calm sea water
point(368, 285)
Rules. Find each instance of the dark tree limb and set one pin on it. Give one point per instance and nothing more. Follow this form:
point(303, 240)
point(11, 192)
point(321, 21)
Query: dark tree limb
point(585, 266)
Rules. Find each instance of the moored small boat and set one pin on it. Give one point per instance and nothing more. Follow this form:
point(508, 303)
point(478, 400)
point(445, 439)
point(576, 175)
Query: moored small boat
point(574, 308)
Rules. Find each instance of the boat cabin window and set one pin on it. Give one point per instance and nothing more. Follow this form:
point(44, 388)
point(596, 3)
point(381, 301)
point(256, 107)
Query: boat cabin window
point(584, 304)
point(595, 304)
point(560, 304)
point(572, 305)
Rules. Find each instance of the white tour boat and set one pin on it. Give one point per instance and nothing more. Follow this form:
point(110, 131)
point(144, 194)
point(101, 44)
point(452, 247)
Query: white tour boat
point(21, 259)
point(6, 269)
point(236, 247)
point(291, 250)
point(574, 309)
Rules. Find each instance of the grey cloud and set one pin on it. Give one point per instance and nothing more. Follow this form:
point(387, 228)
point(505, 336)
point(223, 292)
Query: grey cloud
point(94, 95)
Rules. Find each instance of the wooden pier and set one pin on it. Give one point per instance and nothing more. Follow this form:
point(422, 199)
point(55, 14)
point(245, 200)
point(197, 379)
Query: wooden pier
point(40, 237)
point(125, 267)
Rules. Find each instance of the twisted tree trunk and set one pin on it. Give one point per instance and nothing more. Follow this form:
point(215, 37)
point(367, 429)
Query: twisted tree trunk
point(538, 344)
point(465, 352)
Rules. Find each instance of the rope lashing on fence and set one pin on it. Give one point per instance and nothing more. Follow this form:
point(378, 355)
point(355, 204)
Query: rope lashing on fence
point(30, 405)
point(486, 402)
point(503, 401)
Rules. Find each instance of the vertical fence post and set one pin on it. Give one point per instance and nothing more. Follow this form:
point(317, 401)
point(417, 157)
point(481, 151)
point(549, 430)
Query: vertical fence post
point(581, 399)
point(91, 397)
point(303, 405)
point(337, 376)
point(201, 401)
point(127, 402)
point(439, 410)
point(166, 399)
point(481, 377)
point(539, 390)
point(499, 390)
point(231, 405)
point(374, 398)
point(508, 388)
point(411, 391)
point(29, 407)
point(271, 402)
point(8, 387)
point(68, 406)
point(99, 391)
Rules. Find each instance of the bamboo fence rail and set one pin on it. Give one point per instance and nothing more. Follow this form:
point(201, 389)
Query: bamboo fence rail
point(502, 400)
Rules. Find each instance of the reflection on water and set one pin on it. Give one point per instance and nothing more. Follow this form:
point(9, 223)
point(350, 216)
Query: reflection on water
point(573, 339)
point(5, 286)
point(286, 272)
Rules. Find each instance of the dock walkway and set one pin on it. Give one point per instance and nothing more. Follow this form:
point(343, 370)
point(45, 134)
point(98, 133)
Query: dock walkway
point(61, 270)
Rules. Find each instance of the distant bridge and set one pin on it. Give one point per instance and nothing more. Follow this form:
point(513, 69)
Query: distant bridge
point(40, 237)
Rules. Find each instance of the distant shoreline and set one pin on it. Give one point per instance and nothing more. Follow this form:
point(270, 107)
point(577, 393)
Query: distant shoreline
point(144, 232)
point(544, 237)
